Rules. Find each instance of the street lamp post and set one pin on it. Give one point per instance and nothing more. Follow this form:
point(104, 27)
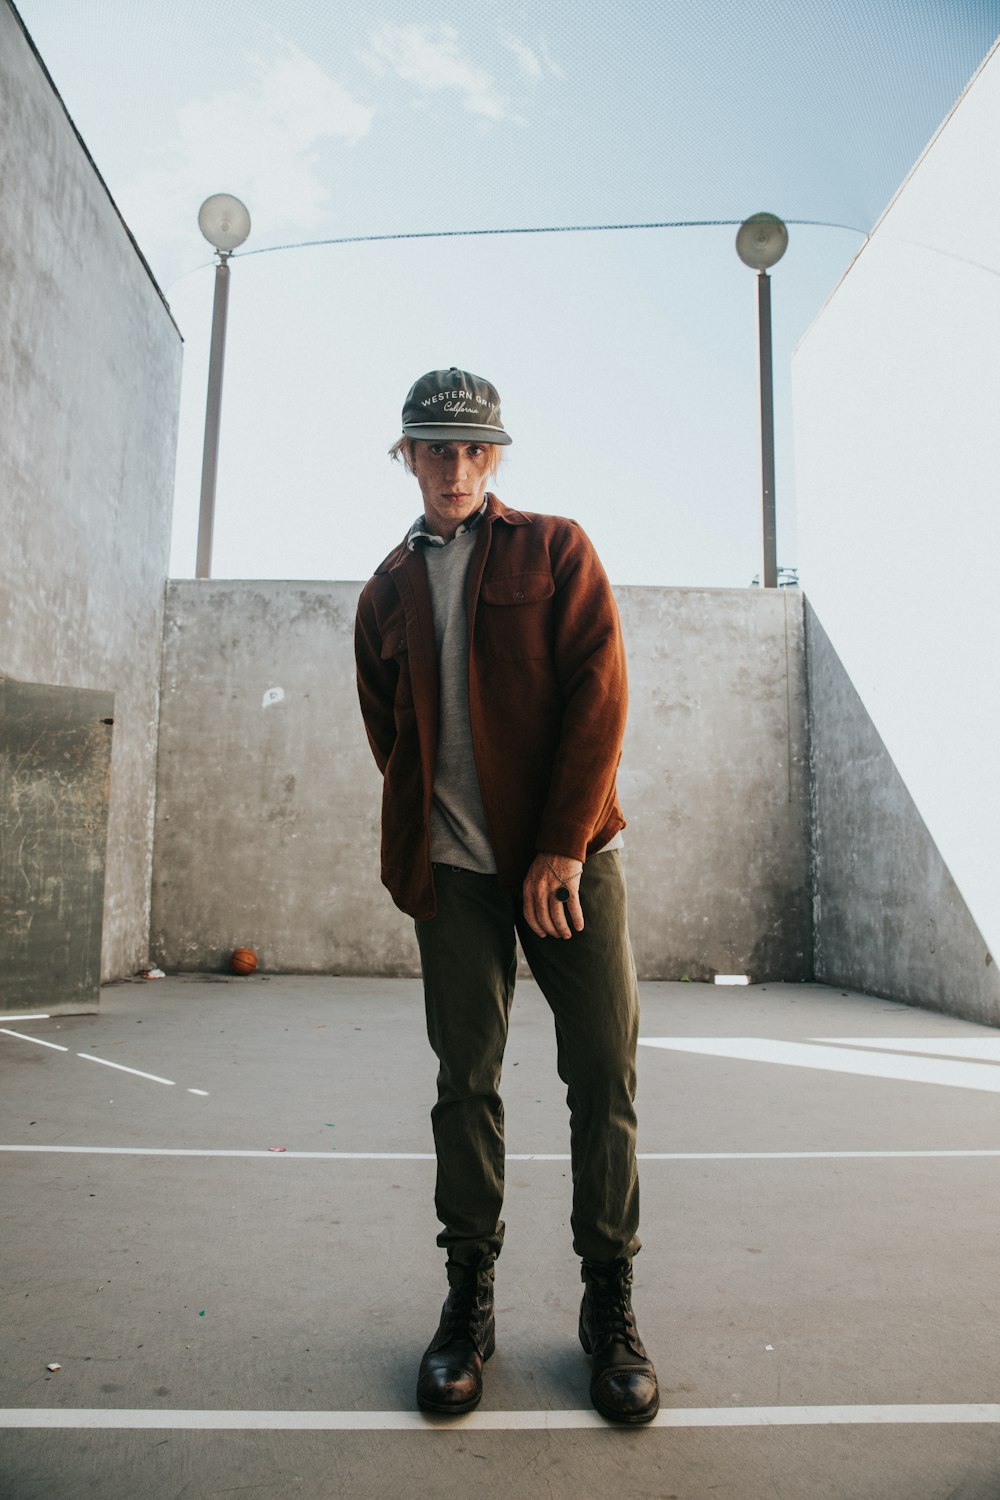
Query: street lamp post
point(761, 241)
point(225, 223)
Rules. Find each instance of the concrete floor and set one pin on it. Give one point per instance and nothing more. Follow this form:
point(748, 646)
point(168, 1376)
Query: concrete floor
point(823, 1318)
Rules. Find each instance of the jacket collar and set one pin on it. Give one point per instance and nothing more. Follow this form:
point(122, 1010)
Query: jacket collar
point(495, 511)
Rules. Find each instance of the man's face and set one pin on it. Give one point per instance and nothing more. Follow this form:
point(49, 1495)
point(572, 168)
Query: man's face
point(452, 479)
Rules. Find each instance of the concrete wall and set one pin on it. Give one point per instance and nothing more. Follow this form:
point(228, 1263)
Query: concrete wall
point(267, 817)
point(897, 439)
point(89, 386)
point(714, 783)
point(889, 918)
point(267, 826)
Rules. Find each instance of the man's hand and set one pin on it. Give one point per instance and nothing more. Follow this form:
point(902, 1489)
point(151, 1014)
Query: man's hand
point(543, 913)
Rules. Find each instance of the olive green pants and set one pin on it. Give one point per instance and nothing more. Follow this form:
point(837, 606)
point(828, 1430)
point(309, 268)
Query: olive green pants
point(468, 960)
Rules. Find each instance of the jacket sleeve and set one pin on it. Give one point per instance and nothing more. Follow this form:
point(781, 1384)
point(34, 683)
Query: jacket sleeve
point(376, 682)
point(590, 663)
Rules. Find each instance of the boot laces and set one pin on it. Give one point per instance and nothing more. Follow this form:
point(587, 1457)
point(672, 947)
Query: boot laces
point(468, 1304)
point(612, 1306)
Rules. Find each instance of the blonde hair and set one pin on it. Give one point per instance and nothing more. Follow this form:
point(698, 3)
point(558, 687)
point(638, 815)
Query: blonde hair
point(402, 452)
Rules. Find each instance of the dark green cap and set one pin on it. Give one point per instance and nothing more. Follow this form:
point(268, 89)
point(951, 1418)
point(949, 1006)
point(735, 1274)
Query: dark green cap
point(453, 406)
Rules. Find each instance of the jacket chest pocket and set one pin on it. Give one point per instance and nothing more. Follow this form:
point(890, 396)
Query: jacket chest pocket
point(516, 615)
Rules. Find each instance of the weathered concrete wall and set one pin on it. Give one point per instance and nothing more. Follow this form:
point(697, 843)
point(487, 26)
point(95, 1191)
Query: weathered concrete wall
point(897, 452)
point(267, 817)
point(714, 783)
point(889, 918)
point(268, 801)
point(89, 389)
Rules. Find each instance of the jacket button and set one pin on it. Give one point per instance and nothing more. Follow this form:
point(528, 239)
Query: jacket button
point(519, 594)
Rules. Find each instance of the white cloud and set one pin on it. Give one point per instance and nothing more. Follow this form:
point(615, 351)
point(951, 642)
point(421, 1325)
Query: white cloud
point(528, 60)
point(430, 57)
point(260, 142)
point(536, 63)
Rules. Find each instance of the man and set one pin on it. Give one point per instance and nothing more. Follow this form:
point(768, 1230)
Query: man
point(491, 675)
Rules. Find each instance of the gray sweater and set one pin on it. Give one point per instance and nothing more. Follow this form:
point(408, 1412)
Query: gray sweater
point(458, 824)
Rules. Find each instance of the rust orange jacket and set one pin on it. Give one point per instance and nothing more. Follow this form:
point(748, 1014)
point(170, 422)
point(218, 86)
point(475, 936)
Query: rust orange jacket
point(547, 697)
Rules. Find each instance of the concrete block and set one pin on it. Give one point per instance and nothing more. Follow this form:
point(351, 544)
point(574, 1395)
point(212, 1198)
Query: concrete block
point(55, 769)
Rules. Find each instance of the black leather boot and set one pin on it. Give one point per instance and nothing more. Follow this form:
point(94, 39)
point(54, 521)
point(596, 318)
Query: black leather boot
point(451, 1372)
point(623, 1382)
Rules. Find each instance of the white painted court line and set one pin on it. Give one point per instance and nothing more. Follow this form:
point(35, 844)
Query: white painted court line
point(832, 1059)
point(92, 1057)
point(976, 1048)
point(41, 1015)
point(261, 1152)
point(802, 1155)
point(400, 1156)
point(94, 1418)
point(21, 1037)
point(107, 1063)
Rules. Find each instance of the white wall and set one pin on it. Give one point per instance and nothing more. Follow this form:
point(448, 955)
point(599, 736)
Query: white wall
point(896, 391)
point(89, 385)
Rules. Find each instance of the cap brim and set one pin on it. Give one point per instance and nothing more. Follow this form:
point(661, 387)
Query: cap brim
point(459, 432)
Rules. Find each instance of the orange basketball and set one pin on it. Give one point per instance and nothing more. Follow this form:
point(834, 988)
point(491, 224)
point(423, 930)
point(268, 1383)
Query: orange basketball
point(243, 961)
